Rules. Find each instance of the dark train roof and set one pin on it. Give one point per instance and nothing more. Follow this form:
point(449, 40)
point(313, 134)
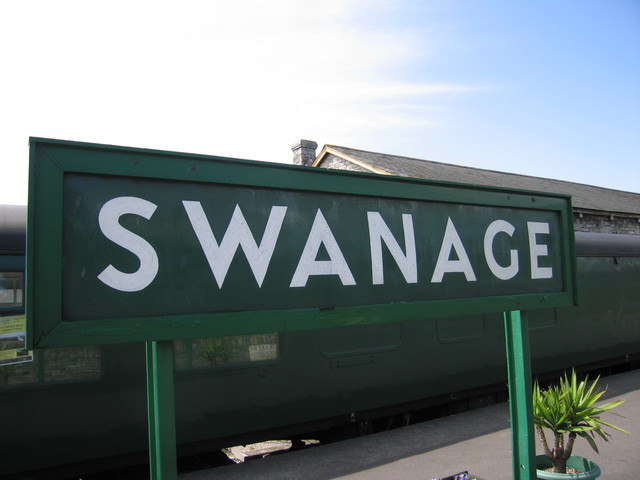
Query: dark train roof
point(583, 197)
point(610, 244)
point(13, 226)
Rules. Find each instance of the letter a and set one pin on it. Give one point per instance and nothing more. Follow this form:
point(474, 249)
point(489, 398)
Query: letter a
point(308, 265)
point(444, 264)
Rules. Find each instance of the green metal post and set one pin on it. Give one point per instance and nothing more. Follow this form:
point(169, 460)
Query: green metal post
point(516, 327)
point(161, 411)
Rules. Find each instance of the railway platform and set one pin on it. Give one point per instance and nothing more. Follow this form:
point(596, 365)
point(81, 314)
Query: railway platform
point(477, 441)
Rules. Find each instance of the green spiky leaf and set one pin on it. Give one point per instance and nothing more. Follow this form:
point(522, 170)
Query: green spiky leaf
point(569, 408)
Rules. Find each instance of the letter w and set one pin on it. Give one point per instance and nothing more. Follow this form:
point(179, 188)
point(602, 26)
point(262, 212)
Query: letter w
point(238, 233)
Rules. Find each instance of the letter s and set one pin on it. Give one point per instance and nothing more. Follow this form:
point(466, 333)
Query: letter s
point(108, 218)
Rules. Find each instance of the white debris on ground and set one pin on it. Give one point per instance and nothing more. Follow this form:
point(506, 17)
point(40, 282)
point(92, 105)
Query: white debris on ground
point(240, 452)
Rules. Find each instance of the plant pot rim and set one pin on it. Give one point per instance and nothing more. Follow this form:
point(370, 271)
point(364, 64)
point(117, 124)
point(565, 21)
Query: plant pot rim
point(593, 470)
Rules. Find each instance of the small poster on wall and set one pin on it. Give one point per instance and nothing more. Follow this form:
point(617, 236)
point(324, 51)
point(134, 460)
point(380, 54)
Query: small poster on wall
point(12, 341)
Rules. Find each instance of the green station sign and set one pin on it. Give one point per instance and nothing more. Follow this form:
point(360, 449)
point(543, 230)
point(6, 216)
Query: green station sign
point(136, 245)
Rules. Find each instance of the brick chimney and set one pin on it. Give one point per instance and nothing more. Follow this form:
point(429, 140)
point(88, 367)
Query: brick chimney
point(304, 152)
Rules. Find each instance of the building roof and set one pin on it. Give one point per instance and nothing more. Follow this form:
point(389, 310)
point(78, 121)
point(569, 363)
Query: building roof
point(584, 197)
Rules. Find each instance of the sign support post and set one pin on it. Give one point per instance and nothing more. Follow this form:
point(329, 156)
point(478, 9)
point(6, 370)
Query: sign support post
point(516, 327)
point(161, 410)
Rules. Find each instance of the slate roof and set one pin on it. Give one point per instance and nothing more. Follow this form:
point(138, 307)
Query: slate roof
point(584, 197)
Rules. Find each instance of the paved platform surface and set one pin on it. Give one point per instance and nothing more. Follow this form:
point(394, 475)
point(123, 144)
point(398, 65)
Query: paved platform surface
point(478, 441)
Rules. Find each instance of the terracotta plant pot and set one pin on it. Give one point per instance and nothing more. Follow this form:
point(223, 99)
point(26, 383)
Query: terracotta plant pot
point(590, 469)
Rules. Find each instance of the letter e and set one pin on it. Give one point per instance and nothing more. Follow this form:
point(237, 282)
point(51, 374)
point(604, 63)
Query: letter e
point(536, 250)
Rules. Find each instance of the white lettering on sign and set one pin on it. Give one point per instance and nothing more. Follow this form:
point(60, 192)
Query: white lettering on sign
point(536, 250)
point(237, 235)
point(452, 257)
point(406, 261)
point(321, 234)
point(108, 220)
point(511, 270)
point(445, 264)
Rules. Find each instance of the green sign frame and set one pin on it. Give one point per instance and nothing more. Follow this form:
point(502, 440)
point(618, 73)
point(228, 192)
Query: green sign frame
point(128, 244)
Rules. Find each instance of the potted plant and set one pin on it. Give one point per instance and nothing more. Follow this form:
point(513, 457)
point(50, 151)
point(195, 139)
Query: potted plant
point(568, 410)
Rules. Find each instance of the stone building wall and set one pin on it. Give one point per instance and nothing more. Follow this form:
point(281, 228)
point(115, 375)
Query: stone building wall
point(585, 222)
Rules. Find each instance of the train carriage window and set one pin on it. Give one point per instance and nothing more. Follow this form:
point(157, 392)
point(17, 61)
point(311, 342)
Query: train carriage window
point(55, 365)
point(11, 289)
point(72, 363)
point(207, 352)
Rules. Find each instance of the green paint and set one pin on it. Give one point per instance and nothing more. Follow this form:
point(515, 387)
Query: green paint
point(161, 411)
point(516, 326)
point(185, 283)
point(132, 245)
point(142, 246)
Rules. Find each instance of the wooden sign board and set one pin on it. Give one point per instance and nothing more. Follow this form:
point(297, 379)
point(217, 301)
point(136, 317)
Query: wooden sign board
point(130, 244)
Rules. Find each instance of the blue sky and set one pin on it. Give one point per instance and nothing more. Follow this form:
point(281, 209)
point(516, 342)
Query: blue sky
point(545, 88)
